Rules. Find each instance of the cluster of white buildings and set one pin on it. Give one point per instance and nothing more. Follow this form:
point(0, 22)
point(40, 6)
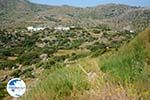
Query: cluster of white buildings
point(62, 28)
point(31, 28)
point(59, 28)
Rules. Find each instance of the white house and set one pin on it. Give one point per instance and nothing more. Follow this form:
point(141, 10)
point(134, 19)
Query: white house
point(30, 28)
point(72, 26)
point(131, 31)
point(62, 28)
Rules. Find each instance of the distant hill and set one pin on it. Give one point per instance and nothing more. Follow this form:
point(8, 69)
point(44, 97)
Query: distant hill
point(2, 3)
point(135, 19)
point(14, 12)
point(23, 13)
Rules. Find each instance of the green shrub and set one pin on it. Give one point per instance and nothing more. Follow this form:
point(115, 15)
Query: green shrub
point(7, 64)
point(98, 52)
point(16, 73)
point(49, 50)
point(76, 43)
point(3, 92)
point(52, 61)
point(104, 27)
point(29, 58)
point(78, 56)
point(48, 64)
point(116, 44)
point(97, 46)
point(30, 40)
point(5, 52)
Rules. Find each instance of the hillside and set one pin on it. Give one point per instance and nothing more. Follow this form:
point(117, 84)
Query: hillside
point(15, 12)
point(123, 75)
point(134, 19)
point(26, 54)
point(24, 13)
point(130, 66)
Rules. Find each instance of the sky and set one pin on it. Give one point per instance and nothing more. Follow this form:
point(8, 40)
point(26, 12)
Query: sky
point(90, 3)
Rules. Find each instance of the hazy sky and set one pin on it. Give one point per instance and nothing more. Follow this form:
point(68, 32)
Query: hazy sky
point(85, 3)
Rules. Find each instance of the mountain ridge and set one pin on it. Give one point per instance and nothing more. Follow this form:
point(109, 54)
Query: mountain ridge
point(24, 13)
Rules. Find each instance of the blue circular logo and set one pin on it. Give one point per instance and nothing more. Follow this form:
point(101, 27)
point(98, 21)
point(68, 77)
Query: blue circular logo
point(16, 87)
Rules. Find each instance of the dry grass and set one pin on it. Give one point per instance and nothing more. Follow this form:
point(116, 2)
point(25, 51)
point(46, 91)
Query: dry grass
point(100, 88)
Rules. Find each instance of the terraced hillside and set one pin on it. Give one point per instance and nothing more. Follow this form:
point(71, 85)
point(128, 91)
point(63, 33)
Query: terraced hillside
point(27, 54)
point(119, 75)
